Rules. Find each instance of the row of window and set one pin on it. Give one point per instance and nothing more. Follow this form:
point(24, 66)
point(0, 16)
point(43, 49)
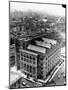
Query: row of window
point(53, 59)
point(28, 68)
point(28, 56)
point(51, 62)
point(53, 54)
point(28, 60)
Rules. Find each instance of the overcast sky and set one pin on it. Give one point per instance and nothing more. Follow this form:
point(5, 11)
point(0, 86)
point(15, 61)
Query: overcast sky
point(56, 10)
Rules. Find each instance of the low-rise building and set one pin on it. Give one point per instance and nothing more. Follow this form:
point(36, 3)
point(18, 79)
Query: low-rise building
point(15, 80)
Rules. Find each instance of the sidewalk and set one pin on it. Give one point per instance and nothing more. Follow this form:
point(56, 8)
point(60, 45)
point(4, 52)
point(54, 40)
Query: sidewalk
point(54, 71)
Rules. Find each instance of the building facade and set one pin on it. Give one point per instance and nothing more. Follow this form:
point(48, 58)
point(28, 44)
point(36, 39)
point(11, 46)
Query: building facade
point(28, 63)
point(12, 55)
point(37, 60)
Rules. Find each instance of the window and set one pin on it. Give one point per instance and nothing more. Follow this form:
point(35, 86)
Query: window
point(27, 56)
point(46, 65)
point(48, 69)
point(31, 57)
point(21, 58)
point(21, 65)
point(25, 59)
point(30, 69)
point(27, 67)
point(22, 54)
point(30, 75)
point(33, 70)
point(24, 66)
point(33, 62)
point(30, 61)
point(46, 58)
point(12, 58)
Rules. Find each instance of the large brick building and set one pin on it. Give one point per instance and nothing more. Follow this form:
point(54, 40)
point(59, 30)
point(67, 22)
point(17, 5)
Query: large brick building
point(37, 57)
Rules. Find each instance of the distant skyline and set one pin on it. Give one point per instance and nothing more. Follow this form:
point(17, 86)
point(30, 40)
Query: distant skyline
point(51, 9)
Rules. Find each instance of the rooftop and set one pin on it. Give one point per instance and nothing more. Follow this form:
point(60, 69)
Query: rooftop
point(53, 42)
point(30, 52)
point(37, 48)
point(43, 44)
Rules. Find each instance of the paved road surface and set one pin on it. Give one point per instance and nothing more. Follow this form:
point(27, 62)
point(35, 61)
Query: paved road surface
point(29, 83)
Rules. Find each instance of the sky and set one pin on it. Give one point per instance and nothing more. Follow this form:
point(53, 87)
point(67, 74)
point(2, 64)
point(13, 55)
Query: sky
point(51, 9)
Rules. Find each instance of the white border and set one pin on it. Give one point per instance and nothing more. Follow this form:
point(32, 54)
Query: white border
point(4, 44)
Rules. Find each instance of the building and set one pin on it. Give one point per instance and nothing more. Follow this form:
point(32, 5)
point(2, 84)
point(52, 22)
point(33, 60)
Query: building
point(38, 57)
point(28, 63)
point(12, 55)
point(15, 80)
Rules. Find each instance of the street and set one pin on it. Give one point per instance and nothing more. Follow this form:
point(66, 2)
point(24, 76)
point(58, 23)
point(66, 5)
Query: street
point(29, 83)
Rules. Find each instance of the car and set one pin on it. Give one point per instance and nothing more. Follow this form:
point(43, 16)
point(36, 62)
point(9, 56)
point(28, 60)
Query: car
point(27, 85)
point(24, 83)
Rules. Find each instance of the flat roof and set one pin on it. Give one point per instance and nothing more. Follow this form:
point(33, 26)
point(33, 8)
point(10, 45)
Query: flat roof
point(29, 52)
point(49, 40)
point(43, 44)
point(37, 48)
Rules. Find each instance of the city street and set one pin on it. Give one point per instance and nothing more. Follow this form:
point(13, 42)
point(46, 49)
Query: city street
point(60, 77)
point(29, 83)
